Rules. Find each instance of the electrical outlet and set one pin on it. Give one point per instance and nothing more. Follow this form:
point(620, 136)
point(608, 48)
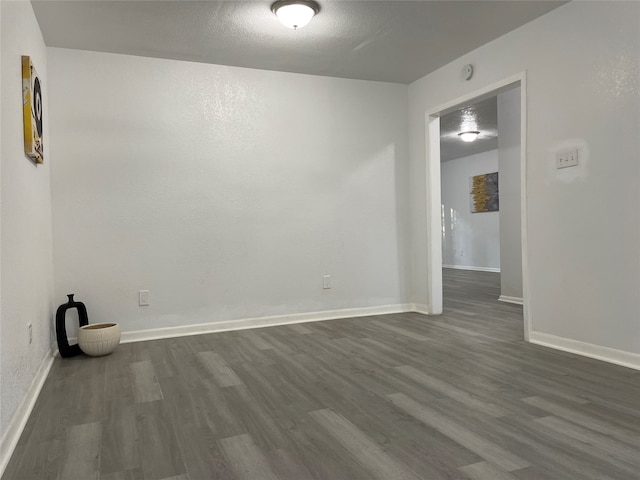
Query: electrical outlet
point(30, 329)
point(326, 282)
point(143, 298)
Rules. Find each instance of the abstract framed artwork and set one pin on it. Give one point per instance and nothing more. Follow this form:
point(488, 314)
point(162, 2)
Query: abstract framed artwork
point(484, 193)
point(32, 111)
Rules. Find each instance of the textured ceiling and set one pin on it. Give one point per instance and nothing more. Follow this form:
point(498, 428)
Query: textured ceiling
point(392, 41)
point(482, 117)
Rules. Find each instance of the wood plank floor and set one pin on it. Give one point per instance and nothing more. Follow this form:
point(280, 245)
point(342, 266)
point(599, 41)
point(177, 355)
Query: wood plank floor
point(405, 396)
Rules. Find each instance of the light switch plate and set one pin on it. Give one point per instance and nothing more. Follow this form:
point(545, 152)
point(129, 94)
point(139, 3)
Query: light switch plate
point(567, 159)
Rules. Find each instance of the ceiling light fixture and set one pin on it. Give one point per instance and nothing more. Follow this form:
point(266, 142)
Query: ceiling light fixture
point(295, 13)
point(469, 136)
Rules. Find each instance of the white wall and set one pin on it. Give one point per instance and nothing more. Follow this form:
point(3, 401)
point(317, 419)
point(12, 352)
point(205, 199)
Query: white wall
point(468, 239)
point(26, 239)
point(227, 192)
point(510, 205)
point(582, 63)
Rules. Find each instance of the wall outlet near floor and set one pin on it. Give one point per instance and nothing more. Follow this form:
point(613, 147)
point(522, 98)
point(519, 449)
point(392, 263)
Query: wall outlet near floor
point(143, 298)
point(30, 330)
point(326, 282)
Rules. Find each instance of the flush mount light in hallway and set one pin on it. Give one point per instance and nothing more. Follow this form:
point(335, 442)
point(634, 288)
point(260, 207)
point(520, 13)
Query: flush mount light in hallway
point(295, 13)
point(469, 136)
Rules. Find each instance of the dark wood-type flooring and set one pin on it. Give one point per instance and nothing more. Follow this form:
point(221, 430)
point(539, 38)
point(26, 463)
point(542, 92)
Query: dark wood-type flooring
point(406, 396)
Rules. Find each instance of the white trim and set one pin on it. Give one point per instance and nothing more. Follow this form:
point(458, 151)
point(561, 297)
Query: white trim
point(606, 354)
point(434, 240)
point(434, 218)
point(419, 308)
point(508, 299)
point(20, 417)
point(477, 269)
point(260, 322)
point(487, 92)
point(524, 217)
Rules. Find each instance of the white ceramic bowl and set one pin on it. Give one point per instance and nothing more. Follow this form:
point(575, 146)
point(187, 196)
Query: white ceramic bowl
point(99, 339)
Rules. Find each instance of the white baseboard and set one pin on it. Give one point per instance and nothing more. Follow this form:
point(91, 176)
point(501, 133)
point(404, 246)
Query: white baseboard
point(259, 322)
point(477, 269)
point(419, 308)
point(16, 426)
point(507, 299)
point(606, 354)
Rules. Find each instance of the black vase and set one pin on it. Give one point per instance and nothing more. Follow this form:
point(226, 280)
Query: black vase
point(64, 348)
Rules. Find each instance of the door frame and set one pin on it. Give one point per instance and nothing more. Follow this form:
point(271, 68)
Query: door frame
point(434, 197)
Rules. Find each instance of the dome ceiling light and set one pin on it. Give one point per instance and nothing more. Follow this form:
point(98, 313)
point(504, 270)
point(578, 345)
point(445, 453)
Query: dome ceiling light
point(469, 136)
point(295, 13)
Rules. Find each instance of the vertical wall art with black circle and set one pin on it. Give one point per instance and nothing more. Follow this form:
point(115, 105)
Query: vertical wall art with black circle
point(32, 111)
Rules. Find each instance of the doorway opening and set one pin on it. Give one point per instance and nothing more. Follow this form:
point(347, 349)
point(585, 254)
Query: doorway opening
point(470, 173)
point(514, 285)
